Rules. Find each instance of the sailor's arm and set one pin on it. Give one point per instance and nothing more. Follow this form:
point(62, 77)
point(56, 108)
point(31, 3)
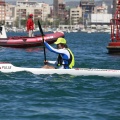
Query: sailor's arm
point(49, 47)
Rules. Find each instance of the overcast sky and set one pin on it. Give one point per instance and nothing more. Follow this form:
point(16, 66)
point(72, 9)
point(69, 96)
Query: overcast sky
point(48, 1)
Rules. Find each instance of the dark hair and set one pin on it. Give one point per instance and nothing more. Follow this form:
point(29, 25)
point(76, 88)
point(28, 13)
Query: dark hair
point(64, 45)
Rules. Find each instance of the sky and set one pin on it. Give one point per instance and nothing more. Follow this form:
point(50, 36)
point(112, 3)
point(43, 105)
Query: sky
point(48, 1)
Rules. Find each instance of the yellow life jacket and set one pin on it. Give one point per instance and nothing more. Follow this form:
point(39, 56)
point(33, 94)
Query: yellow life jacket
point(71, 61)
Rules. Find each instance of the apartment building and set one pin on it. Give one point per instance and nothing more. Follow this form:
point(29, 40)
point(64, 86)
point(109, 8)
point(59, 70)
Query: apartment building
point(75, 15)
point(59, 9)
point(2, 11)
point(22, 9)
point(39, 10)
point(87, 7)
point(9, 14)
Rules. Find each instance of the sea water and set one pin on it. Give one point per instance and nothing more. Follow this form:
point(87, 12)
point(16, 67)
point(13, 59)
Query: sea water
point(25, 96)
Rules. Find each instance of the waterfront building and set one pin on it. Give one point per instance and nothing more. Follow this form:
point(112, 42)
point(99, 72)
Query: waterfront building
point(55, 8)
point(100, 20)
point(9, 17)
point(59, 11)
point(75, 15)
point(39, 10)
point(2, 11)
point(23, 8)
point(87, 9)
point(101, 16)
point(58, 7)
point(87, 6)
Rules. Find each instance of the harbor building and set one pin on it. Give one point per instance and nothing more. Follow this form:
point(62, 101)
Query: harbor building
point(58, 8)
point(88, 7)
point(59, 11)
point(100, 20)
point(75, 15)
point(2, 11)
point(23, 8)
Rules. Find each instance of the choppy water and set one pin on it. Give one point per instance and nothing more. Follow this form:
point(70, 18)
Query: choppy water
point(25, 96)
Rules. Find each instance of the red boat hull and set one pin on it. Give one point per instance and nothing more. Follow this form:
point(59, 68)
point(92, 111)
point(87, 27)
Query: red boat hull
point(114, 47)
point(25, 42)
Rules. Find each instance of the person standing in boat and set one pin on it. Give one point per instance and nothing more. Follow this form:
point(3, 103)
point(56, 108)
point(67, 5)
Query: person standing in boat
point(65, 58)
point(30, 25)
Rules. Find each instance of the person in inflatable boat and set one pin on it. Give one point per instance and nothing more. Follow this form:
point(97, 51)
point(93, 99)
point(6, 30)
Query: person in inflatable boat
point(30, 25)
point(65, 59)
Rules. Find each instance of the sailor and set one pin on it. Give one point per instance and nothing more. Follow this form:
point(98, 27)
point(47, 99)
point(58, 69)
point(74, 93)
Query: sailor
point(30, 25)
point(65, 58)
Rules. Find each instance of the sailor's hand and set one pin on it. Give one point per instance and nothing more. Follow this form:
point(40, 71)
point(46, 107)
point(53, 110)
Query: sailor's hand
point(46, 62)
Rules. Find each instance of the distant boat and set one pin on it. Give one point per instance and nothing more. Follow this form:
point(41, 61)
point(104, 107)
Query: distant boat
point(25, 41)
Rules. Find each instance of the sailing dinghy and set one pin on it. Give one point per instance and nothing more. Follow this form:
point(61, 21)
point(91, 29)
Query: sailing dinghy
point(9, 68)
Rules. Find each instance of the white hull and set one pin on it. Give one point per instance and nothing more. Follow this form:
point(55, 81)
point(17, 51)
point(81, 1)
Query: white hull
point(9, 68)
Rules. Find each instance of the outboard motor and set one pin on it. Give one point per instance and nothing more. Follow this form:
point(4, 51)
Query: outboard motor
point(3, 32)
